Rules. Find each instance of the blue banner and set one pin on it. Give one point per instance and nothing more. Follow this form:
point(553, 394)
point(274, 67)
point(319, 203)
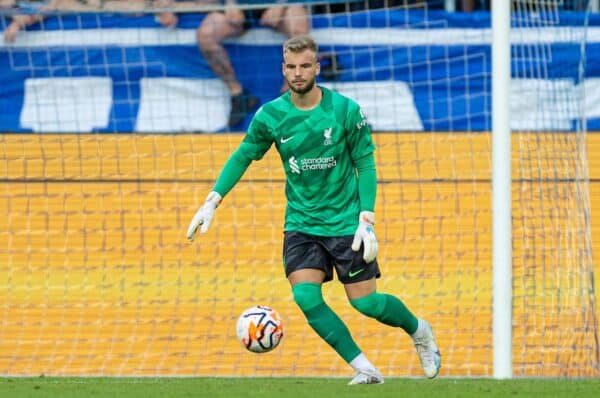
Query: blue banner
point(417, 70)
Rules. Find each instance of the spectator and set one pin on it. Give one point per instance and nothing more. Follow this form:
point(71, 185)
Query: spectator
point(19, 22)
point(290, 20)
point(169, 17)
point(166, 18)
point(22, 21)
point(7, 4)
point(121, 5)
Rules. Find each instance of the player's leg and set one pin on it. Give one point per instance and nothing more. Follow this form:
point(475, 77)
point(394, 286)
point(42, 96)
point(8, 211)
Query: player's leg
point(386, 308)
point(213, 29)
point(307, 267)
point(391, 311)
point(359, 279)
point(306, 289)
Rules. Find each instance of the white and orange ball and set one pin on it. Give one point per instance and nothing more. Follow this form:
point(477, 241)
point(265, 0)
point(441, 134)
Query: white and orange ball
point(260, 329)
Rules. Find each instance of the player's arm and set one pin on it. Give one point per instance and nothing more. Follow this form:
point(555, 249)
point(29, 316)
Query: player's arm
point(367, 191)
point(367, 182)
point(362, 148)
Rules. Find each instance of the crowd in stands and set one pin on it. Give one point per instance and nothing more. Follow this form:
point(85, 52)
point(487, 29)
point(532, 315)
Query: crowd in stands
point(169, 18)
point(231, 21)
point(29, 17)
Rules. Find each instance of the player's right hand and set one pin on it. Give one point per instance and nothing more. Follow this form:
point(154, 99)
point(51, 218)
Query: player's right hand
point(204, 215)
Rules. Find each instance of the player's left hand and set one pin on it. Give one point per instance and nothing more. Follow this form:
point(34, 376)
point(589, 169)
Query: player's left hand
point(366, 235)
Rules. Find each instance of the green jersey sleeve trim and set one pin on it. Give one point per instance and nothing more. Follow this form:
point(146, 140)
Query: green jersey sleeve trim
point(234, 169)
point(367, 182)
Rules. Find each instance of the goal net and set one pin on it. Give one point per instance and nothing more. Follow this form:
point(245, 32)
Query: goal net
point(552, 263)
point(114, 128)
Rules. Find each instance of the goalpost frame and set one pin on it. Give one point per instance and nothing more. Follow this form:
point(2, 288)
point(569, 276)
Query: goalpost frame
point(501, 191)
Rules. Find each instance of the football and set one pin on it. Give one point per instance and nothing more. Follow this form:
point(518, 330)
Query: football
point(259, 329)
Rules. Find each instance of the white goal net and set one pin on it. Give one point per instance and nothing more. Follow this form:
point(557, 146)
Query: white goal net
point(114, 128)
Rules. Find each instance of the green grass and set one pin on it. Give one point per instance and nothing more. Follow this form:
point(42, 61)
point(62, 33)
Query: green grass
point(51, 387)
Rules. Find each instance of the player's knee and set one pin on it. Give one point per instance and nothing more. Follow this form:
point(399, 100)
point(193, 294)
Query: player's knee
point(307, 295)
point(371, 305)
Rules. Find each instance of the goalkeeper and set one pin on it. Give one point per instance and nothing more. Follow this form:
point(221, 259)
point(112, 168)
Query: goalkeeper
point(326, 148)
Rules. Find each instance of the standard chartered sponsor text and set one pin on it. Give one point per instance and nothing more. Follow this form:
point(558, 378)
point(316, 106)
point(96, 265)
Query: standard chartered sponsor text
point(318, 163)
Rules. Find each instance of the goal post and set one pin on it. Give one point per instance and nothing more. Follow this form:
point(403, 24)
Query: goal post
point(501, 191)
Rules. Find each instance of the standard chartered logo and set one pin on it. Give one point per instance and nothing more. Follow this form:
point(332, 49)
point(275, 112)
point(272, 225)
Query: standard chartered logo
point(318, 163)
point(294, 165)
point(322, 163)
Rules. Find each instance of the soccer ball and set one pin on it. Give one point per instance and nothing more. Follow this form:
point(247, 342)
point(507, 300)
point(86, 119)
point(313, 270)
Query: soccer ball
point(259, 329)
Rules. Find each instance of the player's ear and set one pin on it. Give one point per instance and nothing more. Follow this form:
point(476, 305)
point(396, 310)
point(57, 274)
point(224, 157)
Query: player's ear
point(318, 66)
point(283, 68)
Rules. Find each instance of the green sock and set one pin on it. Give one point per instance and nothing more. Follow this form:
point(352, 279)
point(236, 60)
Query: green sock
point(324, 321)
point(387, 309)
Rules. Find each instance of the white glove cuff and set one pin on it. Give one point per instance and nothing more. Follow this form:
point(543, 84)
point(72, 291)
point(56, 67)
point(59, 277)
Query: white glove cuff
point(366, 217)
point(214, 198)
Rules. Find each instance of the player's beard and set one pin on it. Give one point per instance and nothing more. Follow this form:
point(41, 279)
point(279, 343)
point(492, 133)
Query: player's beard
point(304, 89)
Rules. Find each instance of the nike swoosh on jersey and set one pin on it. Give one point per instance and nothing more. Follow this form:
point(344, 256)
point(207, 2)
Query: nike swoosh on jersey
point(284, 140)
point(353, 274)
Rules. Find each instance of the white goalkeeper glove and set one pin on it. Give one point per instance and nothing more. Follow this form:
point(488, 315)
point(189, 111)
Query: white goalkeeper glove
point(204, 215)
point(366, 235)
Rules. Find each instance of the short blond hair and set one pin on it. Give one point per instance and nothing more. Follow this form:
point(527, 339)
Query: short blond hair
point(300, 43)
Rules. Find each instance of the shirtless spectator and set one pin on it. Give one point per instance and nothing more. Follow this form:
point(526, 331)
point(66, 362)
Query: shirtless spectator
point(22, 21)
point(290, 20)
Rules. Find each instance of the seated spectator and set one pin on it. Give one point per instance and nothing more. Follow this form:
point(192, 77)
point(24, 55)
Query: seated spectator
point(166, 18)
point(21, 21)
point(290, 20)
point(7, 4)
point(169, 17)
point(18, 21)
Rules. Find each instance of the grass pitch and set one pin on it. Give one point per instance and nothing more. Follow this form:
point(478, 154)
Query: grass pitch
point(58, 387)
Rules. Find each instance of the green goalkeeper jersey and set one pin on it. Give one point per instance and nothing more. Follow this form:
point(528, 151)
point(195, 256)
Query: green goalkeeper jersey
point(318, 149)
